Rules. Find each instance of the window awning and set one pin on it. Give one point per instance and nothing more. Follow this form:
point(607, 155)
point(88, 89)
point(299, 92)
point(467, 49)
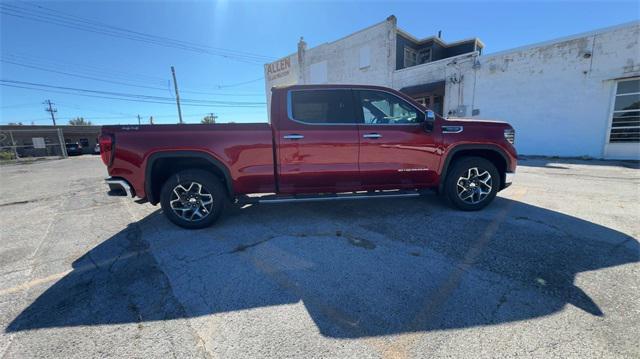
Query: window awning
point(437, 87)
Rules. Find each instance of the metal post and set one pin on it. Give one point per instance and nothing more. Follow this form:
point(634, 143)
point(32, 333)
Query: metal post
point(13, 145)
point(175, 85)
point(62, 144)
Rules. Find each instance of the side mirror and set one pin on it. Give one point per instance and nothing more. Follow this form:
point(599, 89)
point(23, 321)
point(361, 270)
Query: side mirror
point(430, 118)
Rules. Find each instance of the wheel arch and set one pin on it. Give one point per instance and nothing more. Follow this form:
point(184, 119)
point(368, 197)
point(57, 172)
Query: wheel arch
point(492, 153)
point(161, 165)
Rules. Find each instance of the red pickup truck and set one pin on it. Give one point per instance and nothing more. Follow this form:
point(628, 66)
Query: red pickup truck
point(324, 142)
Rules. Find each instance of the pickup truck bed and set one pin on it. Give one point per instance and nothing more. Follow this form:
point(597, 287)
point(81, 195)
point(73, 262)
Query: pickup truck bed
point(246, 150)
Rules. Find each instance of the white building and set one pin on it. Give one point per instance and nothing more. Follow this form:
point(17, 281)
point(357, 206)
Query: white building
point(575, 96)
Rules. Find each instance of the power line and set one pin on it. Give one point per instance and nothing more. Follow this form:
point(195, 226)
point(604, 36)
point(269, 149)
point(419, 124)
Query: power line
point(241, 83)
point(72, 74)
point(83, 24)
point(84, 68)
point(95, 22)
point(19, 105)
point(136, 96)
point(164, 100)
point(82, 76)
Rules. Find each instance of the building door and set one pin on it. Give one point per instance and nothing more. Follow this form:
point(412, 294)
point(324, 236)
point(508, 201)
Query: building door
point(430, 101)
point(395, 149)
point(623, 138)
point(430, 95)
point(318, 142)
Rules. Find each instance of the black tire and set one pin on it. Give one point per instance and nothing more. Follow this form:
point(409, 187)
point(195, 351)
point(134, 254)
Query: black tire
point(189, 180)
point(460, 170)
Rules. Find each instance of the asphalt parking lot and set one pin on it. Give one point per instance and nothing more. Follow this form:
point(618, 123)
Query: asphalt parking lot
point(550, 269)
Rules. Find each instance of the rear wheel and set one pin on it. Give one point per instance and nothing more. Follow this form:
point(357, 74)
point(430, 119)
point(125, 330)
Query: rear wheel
point(472, 183)
point(192, 199)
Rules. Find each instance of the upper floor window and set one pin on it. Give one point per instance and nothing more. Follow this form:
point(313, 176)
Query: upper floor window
point(323, 106)
point(410, 57)
point(384, 108)
point(424, 56)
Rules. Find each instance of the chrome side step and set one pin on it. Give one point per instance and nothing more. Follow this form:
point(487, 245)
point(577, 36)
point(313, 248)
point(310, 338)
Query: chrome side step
point(331, 197)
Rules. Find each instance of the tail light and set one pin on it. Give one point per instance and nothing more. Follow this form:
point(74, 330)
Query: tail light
point(510, 135)
point(106, 149)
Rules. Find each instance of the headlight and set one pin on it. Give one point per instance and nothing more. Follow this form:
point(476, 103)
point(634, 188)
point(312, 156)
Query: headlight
point(510, 135)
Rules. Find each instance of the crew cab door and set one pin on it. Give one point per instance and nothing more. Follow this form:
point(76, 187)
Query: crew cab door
point(396, 150)
point(317, 142)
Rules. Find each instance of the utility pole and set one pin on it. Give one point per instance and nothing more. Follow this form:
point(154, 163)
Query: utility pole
point(138, 119)
point(175, 85)
point(51, 110)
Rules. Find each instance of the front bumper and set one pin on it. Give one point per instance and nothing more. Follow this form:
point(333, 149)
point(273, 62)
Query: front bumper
point(118, 187)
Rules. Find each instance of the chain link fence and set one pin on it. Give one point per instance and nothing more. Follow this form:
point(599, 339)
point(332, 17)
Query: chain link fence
point(26, 144)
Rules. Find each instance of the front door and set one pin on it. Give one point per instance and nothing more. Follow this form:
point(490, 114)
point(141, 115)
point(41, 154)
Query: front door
point(318, 142)
point(396, 151)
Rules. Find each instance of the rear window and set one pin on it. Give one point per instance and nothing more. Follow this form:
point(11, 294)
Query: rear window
point(323, 106)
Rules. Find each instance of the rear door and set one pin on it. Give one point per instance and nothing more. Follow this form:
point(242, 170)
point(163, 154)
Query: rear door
point(318, 142)
point(396, 149)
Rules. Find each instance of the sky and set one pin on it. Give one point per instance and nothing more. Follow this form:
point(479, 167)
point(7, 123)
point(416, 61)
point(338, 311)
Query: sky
point(50, 47)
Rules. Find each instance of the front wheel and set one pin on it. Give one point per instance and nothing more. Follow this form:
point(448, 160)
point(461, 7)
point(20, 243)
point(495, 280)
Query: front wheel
point(472, 183)
point(192, 199)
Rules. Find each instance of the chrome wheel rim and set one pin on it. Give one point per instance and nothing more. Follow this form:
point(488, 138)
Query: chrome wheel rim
point(193, 203)
point(474, 186)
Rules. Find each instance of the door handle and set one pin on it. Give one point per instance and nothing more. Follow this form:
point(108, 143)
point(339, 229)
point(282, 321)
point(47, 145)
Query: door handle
point(294, 136)
point(372, 135)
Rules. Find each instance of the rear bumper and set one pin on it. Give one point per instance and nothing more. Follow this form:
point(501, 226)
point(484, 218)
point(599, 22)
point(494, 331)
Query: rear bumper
point(118, 187)
point(508, 178)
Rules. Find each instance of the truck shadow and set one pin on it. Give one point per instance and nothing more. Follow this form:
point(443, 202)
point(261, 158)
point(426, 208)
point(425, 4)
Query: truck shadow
point(361, 269)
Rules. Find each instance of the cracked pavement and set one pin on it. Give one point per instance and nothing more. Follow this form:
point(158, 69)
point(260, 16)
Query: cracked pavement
point(551, 269)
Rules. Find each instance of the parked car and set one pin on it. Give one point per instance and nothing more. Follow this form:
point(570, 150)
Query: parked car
point(73, 148)
point(324, 142)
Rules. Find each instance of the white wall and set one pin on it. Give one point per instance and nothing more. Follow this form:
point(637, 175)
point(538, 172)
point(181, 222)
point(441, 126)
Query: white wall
point(557, 98)
point(343, 57)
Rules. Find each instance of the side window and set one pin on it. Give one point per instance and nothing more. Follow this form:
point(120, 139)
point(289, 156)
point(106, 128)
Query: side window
point(385, 108)
point(323, 106)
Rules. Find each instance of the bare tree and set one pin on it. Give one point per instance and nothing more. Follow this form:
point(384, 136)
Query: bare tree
point(209, 119)
point(79, 121)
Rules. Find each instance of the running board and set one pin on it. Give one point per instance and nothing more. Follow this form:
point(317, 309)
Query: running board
point(330, 197)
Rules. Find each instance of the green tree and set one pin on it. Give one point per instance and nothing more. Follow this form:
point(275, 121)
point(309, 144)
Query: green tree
point(79, 121)
point(209, 119)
